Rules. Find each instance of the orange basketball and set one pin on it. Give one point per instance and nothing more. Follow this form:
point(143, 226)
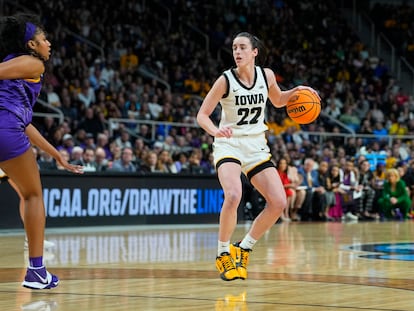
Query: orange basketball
point(303, 107)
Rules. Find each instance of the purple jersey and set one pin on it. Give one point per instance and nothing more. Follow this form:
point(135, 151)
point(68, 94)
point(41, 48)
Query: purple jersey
point(17, 98)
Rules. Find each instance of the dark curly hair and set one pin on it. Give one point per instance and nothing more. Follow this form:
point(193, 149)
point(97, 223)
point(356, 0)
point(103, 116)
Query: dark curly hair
point(13, 33)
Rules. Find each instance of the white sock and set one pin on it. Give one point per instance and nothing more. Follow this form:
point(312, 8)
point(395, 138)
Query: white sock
point(248, 242)
point(223, 247)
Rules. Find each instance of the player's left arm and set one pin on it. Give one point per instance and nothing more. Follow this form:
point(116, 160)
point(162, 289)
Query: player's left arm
point(38, 140)
point(278, 97)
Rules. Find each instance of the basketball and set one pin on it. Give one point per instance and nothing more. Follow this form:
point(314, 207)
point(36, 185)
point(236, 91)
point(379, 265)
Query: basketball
point(303, 107)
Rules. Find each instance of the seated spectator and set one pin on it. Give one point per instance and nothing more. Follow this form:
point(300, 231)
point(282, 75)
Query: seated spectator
point(314, 201)
point(46, 161)
point(66, 156)
point(349, 184)
point(150, 163)
point(365, 205)
point(166, 163)
point(378, 182)
point(102, 141)
point(123, 141)
point(290, 188)
point(194, 164)
point(181, 161)
point(296, 179)
point(67, 143)
point(125, 163)
point(328, 196)
point(101, 162)
point(335, 211)
point(394, 202)
point(53, 98)
point(87, 160)
point(76, 154)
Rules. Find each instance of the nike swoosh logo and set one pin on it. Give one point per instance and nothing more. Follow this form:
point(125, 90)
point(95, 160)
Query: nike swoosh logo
point(44, 280)
point(235, 90)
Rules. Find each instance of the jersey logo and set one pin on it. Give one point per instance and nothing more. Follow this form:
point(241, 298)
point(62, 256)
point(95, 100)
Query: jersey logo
point(251, 99)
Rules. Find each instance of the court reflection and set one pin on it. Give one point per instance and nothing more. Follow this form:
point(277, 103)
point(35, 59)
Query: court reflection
point(132, 247)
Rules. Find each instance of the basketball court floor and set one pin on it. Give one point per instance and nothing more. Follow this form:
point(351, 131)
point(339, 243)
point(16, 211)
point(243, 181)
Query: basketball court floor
point(296, 266)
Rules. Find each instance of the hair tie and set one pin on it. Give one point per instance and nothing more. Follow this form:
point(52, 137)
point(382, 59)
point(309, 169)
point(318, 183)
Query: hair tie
point(30, 32)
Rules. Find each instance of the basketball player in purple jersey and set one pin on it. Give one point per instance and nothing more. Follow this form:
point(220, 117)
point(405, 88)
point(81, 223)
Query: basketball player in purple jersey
point(23, 50)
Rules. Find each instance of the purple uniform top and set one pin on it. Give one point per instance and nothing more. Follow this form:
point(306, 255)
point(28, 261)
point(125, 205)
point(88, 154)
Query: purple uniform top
point(17, 98)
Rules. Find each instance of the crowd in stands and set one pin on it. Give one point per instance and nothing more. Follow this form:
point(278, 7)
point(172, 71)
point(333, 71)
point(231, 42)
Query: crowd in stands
point(308, 43)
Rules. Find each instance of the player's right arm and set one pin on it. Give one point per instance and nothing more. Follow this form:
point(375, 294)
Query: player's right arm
point(210, 102)
point(21, 67)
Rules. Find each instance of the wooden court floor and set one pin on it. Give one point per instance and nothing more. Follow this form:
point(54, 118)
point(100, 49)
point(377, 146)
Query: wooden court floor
point(296, 266)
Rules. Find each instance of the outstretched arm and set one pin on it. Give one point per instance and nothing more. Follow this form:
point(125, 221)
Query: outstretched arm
point(38, 140)
point(21, 67)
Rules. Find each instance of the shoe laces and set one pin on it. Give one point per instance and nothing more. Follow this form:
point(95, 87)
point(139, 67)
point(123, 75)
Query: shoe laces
point(244, 257)
point(227, 262)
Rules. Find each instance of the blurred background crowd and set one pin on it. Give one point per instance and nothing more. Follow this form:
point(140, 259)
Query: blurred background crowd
point(127, 79)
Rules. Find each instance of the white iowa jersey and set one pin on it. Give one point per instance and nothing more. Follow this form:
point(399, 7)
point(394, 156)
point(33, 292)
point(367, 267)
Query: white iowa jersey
point(243, 108)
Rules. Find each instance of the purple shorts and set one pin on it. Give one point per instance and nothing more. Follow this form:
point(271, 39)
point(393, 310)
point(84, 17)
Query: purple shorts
point(13, 139)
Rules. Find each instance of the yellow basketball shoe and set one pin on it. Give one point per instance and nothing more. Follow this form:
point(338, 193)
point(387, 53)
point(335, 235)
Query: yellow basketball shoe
point(241, 259)
point(225, 265)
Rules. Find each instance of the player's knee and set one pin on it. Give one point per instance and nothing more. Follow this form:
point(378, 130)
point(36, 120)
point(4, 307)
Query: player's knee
point(233, 197)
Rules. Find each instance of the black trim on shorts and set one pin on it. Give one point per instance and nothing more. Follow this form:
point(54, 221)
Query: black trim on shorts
point(260, 168)
point(227, 160)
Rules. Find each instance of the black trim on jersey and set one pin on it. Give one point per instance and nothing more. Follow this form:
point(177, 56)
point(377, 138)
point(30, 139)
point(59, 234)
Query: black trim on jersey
point(264, 76)
point(260, 168)
point(227, 160)
point(241, 84)
point(228, 86)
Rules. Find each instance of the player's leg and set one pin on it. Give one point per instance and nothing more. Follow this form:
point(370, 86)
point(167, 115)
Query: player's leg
point(46, 244)
point(24, 172)
point(229, 174)
point(268, 183)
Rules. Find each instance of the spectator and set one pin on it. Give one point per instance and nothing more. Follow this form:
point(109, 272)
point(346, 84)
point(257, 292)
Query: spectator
point(67, 143)
point(335, 211)
point(314, 201)
point(123, 141)
point(53, 98)
point(149, 164)
point(124, 164)
point(46, 161)
point(76, 155)
point(101, 162)
point(87, 160)
point(366, 200)
point(166, 163)
point(394, 201)
point(349, 184)
point(290, 188)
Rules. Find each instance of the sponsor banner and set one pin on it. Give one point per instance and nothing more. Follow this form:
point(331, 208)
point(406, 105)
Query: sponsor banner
point(116, 199)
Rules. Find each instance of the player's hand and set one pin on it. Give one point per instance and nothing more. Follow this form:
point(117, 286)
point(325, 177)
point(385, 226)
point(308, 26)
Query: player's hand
point(303, 87)
point(78, 169)
point(224, 132)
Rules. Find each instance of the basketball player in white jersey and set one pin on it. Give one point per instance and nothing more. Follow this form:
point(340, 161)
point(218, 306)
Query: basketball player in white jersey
point(240, 147)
